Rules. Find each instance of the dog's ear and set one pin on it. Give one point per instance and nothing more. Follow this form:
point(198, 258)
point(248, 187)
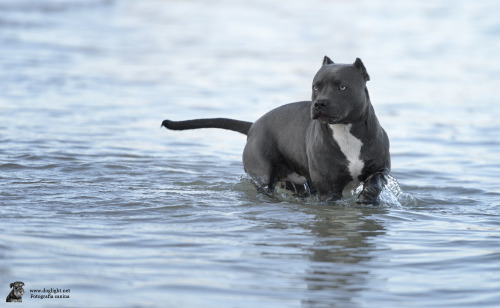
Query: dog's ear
point(327, 60)
point(12, 284)
point(359, 65)
point(22, 283)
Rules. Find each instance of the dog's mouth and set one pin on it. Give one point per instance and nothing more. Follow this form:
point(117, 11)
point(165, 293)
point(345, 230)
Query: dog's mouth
point(326, 119)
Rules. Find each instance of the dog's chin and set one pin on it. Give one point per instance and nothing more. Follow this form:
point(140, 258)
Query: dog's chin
point(327, 120)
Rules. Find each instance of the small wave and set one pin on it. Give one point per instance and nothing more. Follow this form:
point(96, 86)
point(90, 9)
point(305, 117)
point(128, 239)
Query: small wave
point(10, 166)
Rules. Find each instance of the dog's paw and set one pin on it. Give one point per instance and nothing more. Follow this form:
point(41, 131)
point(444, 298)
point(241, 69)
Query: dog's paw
point(369, 195)
point(362, 199)
point(372, 187)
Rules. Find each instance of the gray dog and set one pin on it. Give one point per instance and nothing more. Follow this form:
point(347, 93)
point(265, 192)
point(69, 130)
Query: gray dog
point(16, 295)
point(329, 143)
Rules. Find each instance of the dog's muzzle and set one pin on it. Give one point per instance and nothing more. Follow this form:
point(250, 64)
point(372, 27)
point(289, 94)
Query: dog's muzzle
point(19, 292)
point(318, 113)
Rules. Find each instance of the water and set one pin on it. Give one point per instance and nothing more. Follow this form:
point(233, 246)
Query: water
point(99, 201)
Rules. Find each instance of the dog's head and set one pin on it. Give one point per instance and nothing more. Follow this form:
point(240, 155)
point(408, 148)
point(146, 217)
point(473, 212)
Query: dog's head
point(17, 288)
point(339, 94)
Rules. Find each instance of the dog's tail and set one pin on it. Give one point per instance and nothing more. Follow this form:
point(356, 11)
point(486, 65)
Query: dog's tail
point(230, 124)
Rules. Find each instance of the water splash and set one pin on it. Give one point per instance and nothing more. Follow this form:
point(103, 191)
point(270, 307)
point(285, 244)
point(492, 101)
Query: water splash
point(391, 195)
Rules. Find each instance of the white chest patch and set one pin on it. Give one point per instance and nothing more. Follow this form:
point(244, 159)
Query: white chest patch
point(350, 146)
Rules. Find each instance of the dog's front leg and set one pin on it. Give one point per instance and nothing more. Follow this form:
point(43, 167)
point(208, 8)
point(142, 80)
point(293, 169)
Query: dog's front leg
point(372, 187)
point(329, 197)
point(329, 192)
point(329, 183)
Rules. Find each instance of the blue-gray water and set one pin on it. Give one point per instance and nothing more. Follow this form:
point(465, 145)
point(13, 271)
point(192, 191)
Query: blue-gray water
point(97, 199)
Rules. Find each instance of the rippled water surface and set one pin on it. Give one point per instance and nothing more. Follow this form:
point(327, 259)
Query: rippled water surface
point(97, 200)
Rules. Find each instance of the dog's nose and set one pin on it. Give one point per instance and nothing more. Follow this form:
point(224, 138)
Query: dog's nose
point(320, 104)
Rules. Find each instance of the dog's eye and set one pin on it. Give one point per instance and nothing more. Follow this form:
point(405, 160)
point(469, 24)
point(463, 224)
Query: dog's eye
point(342, 88)
point(315, 87)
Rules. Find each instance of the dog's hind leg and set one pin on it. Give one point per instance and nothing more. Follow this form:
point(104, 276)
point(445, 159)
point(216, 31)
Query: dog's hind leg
point(263, 178)
point(260, 164)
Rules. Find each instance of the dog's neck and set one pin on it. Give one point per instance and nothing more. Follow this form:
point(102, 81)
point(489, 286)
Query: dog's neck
point(365, 126)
